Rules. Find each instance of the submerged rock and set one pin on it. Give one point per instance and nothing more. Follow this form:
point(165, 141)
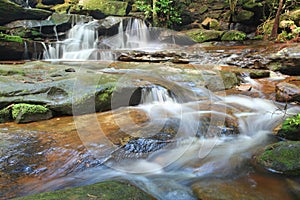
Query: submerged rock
point(281, 157)
point(103, 190)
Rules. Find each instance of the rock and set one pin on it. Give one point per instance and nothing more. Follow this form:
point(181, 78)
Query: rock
point(281, 157)
point(161, 56)
point(210, 23)
point(10, 12)
point(286, 61)
point(201, 35)
point(243, 16)
point(287, 92)
point(290, 128)
point(5, 115)
point(224, 81)
point(259, 74)
point(107, 7)
point(56, 25)
point(52, 2)
point(233, 36)
point(109, 26)
point(227, 190)
point(23, 113)
point(20, 49)
point(103, 190)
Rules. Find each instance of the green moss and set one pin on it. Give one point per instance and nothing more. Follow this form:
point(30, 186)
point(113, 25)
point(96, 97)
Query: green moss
point(11, 72)
point(282, 157)
point(28, 109)
point(233, 36)
point(107, 7)
point(200, 35)
point(108, 190)
point(10, 38)
point(259, 74)
point(243, 15)
point(61, 8)
point(106, 94)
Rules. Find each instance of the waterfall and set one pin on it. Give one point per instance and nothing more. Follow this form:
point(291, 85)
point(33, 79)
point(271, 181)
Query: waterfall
point(82, 41)
point(157, 94)
point(25, 54)
point(135, 35)
point(79, 45)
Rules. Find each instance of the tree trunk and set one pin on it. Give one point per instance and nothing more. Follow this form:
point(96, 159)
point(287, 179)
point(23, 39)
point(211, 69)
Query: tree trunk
point(154, 13)
point(276, 20)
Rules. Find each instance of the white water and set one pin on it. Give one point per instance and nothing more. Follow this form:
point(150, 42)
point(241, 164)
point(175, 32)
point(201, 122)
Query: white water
point(166, 173)
point(82, 42)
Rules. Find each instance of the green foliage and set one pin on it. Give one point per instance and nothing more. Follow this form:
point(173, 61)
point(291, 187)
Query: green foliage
point(168, 11)
point(285, 36)
point(293, 121)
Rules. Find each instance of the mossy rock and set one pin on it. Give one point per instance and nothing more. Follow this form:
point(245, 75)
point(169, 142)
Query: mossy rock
point(242, 16)
point(108, 190)
point(290, 128)
point(5, 115)
point(107, 7)
point(10, 12)
point(234, 36)
point(23, 113)
point(281, 157)
point(259, 74)
point(201, 35)
point(10, 38)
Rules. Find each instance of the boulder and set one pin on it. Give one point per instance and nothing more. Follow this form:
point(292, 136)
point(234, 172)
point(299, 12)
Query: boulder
point(20, 49)
point(107, 7)
point(233, 35)
point(281, 157)
point(243, 16)
point(287, 92)
point(109, 26)
point(10, 12)
point(201, 35)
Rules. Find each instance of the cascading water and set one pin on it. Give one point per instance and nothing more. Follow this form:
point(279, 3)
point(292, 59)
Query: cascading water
point(157, 94)
point(82, 41)
point(189, 156)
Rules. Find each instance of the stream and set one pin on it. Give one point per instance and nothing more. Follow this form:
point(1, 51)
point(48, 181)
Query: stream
point(182, 141)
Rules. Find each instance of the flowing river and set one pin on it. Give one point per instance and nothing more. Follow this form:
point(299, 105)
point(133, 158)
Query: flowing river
point(182, 139)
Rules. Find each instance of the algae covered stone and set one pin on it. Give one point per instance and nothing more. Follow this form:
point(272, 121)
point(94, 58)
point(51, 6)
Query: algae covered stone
point(233, 35)
point(281, 157)
point(201, 35)
point(5, 115)
point(107, 7)
point(108, 190)
point(23, 113)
